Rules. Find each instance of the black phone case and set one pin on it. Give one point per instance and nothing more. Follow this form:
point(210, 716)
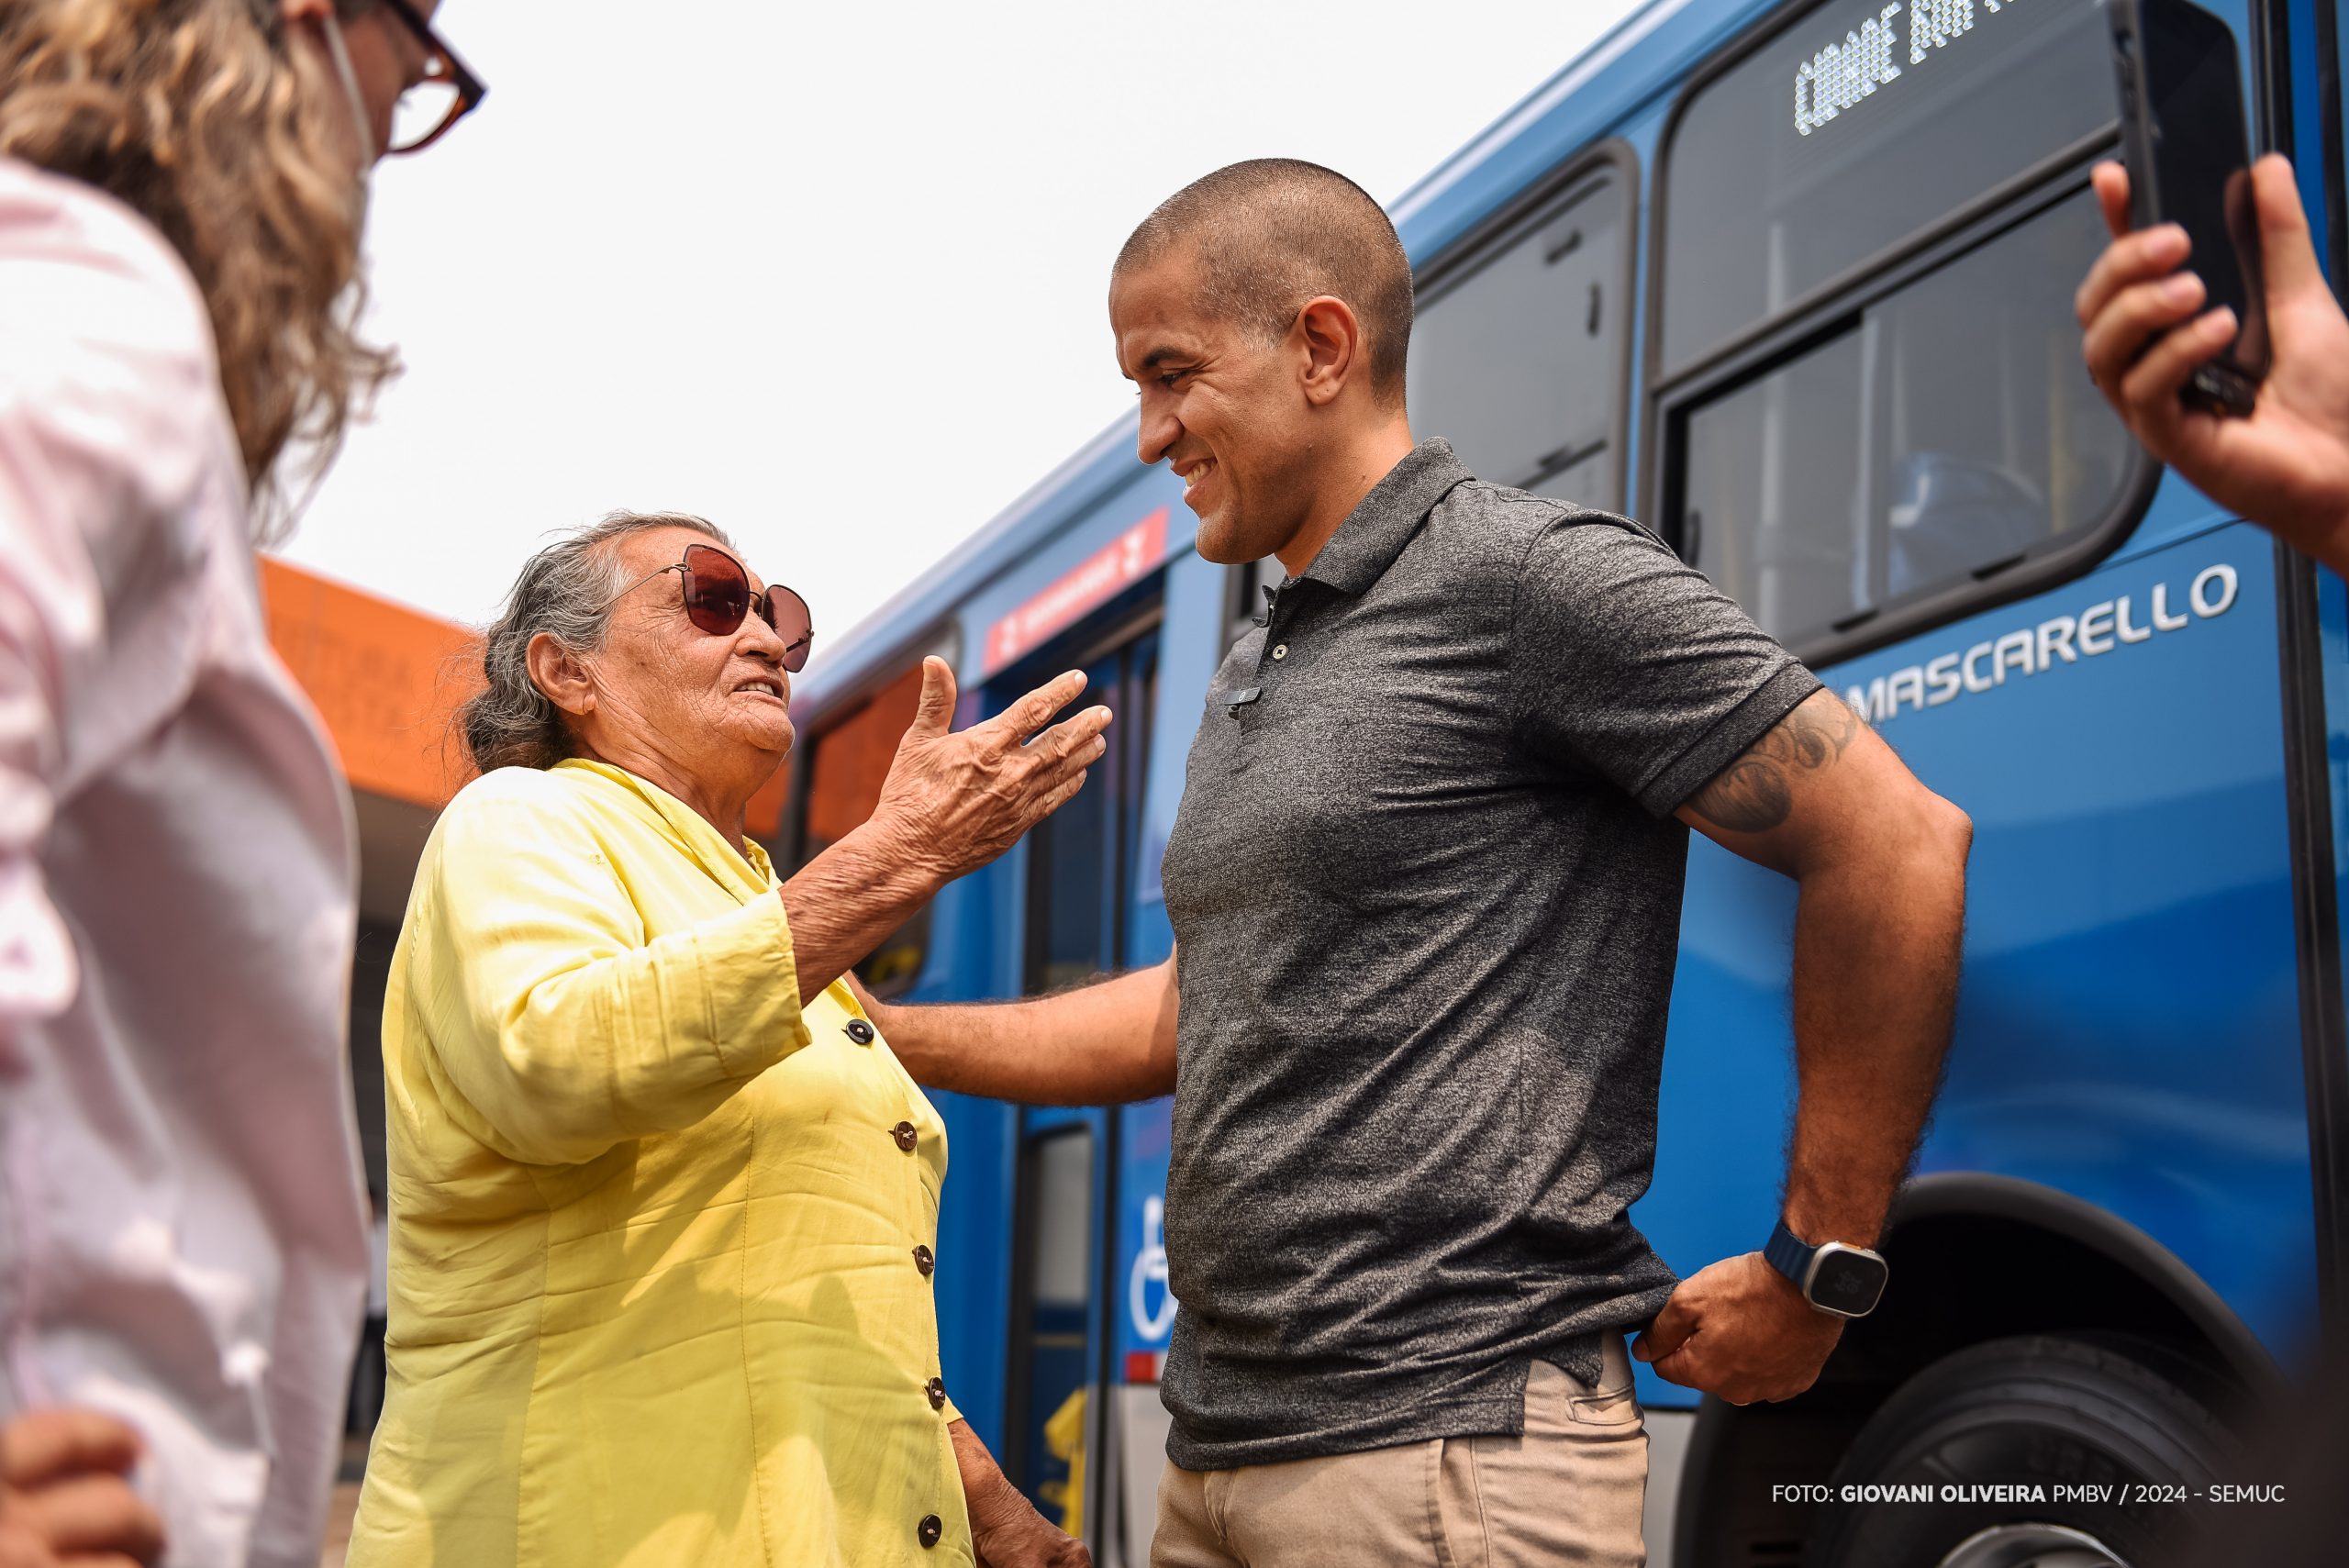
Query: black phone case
point(2220, 386)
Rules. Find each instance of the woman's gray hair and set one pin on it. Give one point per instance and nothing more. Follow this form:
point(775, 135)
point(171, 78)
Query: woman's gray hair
point(566, 591)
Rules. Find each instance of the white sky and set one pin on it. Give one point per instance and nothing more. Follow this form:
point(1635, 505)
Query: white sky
point(831, 276)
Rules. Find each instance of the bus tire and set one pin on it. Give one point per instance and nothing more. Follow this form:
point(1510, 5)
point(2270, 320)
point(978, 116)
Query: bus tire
point(2034, 1412)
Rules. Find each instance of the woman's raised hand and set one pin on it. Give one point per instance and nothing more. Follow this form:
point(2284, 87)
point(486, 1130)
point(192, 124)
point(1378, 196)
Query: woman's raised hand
point(951, 803)
point(958, 800)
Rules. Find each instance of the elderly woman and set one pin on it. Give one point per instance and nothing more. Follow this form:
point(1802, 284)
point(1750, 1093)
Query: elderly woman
point(663, 1203)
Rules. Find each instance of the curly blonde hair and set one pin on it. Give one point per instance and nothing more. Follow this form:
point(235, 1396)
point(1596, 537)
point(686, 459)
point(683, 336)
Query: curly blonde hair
point(197, 115)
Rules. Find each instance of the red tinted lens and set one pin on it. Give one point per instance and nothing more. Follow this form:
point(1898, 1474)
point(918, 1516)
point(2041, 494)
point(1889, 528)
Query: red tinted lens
point(717, 594)
point(787, 612)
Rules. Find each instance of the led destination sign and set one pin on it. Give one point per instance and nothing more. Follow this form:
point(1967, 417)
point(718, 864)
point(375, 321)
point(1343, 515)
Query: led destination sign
point(1902, 113)
point(1842, 76)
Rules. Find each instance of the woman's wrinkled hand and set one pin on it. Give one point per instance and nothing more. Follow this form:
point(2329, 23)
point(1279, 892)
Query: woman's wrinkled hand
point(954, 800)
point(1024, 1538)
point(1006, 1528)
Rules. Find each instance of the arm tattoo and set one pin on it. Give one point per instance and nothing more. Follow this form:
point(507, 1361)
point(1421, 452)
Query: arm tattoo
point(1756, 793)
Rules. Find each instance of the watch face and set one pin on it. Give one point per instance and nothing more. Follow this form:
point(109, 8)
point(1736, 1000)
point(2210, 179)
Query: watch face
point(1848, 1283)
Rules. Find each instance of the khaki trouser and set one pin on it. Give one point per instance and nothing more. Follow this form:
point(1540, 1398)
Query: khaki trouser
point(1566, 1495)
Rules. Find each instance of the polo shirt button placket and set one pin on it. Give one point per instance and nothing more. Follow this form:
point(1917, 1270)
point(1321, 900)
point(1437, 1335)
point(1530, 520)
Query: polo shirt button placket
point(925, 1260)
point(929, 1530)
point(859, 1031)
point(905, 1135)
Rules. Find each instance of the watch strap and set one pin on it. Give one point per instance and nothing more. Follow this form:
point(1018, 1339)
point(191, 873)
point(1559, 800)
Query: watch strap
point(1790, 1255)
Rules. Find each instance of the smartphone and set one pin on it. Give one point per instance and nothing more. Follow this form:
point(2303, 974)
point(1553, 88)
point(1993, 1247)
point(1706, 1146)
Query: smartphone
point(2183, 138)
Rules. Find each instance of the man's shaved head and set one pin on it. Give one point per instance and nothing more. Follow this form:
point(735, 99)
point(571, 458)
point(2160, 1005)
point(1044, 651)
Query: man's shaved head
point(1272, 233)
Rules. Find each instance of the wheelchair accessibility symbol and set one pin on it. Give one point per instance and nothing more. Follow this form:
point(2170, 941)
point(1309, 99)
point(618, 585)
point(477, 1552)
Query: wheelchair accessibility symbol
point(1148, 1275)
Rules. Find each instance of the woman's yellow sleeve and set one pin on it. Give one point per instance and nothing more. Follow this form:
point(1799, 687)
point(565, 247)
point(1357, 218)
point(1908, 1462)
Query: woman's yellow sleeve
point(560, 1027)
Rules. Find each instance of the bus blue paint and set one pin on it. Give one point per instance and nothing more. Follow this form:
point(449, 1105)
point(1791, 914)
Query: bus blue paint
point(2158, 950)
point(2131, 1023)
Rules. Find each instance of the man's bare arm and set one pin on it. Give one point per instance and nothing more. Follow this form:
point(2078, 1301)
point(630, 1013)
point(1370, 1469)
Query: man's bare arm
point(1879, 926)
point(1881, 863)
point(1103, 1044)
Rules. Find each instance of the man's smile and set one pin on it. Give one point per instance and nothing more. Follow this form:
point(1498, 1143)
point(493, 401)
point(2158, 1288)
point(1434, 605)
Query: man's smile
point(1193, 474)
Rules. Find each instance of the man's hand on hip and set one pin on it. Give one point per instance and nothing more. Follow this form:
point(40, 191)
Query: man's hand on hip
point(1741, 1330)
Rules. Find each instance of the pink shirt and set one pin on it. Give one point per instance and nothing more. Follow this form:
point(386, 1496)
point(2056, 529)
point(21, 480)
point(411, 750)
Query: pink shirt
point(183, 1228)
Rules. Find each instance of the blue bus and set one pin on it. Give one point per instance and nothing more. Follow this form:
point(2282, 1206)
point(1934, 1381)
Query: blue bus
point(1791, 283)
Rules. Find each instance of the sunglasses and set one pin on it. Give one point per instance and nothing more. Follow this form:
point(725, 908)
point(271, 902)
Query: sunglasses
point(448, 93)
point(718, 598)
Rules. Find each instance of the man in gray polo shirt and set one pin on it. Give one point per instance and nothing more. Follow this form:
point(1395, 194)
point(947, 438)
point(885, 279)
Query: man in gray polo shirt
point(1425, 886)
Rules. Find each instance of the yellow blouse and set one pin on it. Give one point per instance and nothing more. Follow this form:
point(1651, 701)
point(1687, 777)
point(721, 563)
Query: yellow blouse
point(661, 1238)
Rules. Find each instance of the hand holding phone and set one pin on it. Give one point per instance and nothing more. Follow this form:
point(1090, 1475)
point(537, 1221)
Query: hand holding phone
point(2287, 466)
point(2182, 133)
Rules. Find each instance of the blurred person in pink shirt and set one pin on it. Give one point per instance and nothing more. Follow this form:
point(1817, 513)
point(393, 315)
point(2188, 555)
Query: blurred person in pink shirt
point(182, 1229)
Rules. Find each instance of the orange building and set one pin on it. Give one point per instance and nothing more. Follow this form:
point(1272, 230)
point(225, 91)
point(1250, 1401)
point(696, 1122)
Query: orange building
point(386, 680)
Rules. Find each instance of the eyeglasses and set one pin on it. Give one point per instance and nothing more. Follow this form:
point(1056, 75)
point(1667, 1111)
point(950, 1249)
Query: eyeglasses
point(448, 93)
point(718, 596)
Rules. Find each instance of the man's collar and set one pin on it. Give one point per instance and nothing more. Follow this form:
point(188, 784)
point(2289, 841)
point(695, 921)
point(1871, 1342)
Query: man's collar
point(1374, 532)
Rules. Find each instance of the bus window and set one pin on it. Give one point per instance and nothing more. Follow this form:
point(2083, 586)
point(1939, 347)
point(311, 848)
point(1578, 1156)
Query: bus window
point(1947, 429)
point(1080, 859)
point(846, 763)
point(1073, 867)
point(1069, 934)
point(1856, 127)
point(1081, 865)
point(1517, 356)
point(1056, 1293)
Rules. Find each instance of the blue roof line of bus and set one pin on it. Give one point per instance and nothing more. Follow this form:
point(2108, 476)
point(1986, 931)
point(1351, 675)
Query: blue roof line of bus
point(1430, 215)
point(1577, 73)
point(1050, 504)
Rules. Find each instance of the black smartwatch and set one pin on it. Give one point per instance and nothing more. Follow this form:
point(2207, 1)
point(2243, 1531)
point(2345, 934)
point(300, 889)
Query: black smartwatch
point(1833, 1276)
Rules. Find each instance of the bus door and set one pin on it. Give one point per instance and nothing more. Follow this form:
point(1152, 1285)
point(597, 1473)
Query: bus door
point(1080, 882)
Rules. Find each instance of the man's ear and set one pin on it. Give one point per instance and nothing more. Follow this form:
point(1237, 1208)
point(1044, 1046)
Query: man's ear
point(560, 674)
point(1329, 336)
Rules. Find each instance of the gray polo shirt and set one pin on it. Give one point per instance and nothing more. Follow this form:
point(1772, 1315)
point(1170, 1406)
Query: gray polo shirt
point(1426, 888)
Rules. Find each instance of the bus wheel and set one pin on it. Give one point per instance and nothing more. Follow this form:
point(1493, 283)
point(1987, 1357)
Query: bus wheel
point(2095, 1454)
